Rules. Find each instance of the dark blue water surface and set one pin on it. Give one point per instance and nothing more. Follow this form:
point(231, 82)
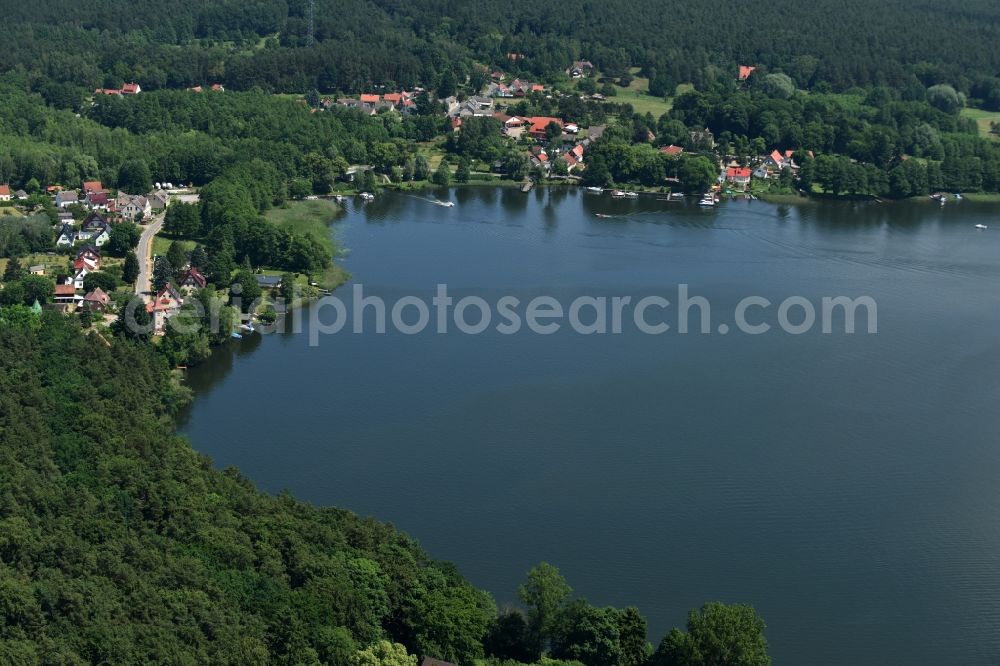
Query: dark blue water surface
point(848, 486)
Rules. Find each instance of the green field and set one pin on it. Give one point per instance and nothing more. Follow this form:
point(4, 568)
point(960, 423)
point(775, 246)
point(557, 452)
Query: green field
point(161, 243)
point(983, 120)
point(307, 217)
point(637, 94)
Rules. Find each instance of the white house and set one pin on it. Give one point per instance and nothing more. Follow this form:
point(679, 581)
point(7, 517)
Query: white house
point(67, 236)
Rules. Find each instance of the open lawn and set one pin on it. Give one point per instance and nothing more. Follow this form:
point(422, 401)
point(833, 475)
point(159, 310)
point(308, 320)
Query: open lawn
point(54, 263)
point(637, 94)
point(431, 151)
point(983, 120)
point(311, 216)
point(161, 243)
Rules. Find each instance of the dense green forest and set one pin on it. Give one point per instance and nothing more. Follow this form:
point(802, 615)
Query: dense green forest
point(358, 43)
point(121, 545)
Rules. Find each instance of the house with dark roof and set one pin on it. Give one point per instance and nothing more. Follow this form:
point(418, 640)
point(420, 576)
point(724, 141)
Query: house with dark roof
point(97, 300)
point(268, 281)
point(66, 236)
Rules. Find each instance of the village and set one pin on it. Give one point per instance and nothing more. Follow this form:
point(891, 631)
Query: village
point(556, 146)
point(80, 250)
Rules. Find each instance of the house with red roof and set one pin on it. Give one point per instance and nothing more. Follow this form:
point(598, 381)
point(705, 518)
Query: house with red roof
point(738, 177)
point(65, 294)
point(89, 258)
point(166, 304)
point(5, 192)
point(131, 89)
point(192, 280)
point(746, 71)
point(672, 150)
point(537, 125)
point(92, 186)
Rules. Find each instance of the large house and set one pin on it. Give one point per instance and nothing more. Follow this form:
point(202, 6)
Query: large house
point(66, 198)
point(738, 177)
point(158, 200)
point(4, 192)
point(134, 207)
point(95, 229)
point(579, 68)
point(65, 294)
point(166, 304)
point(89, 257)
point(97, 300)
point(538, 124)
point(192, 280)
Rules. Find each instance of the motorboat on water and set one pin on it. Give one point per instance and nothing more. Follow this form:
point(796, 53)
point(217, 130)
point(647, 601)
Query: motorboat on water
point(446, 204)
point(367, 196)
point(707, 201)
point(595, 190)
point(981, 226)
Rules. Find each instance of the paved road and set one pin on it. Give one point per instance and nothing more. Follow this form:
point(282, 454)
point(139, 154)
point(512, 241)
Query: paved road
point(144, 253)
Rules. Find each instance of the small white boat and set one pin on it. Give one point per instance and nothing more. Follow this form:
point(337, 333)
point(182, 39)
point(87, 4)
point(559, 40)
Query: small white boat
point(707, 201)
point(632, 195)
point(247, 327)
point(981, 226)
point(677, 195)
point(367, 196)
point(617, 194)
point(446, 204)
point(958, 196)
point(595, 190)
point(235, 336)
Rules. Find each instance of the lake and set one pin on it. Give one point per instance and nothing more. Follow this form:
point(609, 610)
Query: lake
point(847, 486)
